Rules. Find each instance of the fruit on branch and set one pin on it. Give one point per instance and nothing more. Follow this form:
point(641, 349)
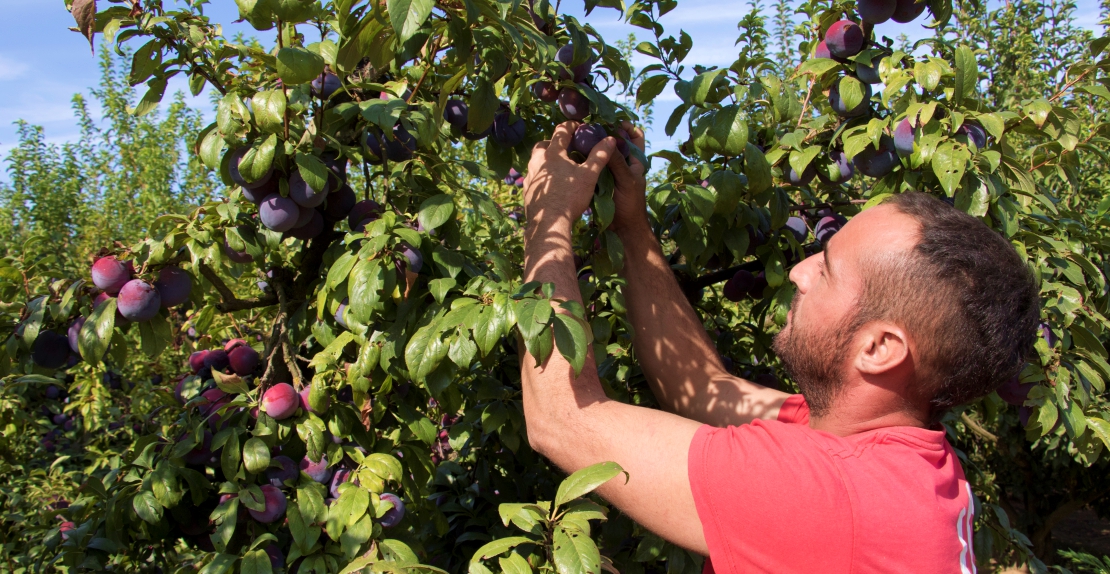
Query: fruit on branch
point(50, 350)
point(876, 11)
point(841, 107)
point(325, 85)
point(318, 470)
point(217, 360)
point(237, 256)
point(1045, 332)
point(256, 195)
point(573, 104)
point(286, 469)
point(869, 73)
point(337, 165)
point(341, 476)
point(903, 138)
point(797, 226)
point(877, 162)
point(196, 360)
point(402, 145)
point(565, 56)
point(364, 211)
point(586, 137)
point(374, 147)
point(759, 286)
point(507, 131)
point(456, 113)
point(233, 344)
point(906, 11)
point(801, 179)
point(822, 51)
point(278, 213)
point(393, 516)
point(303, 194)
point(66, 529)
point(836, 169)
point(1014, 392)
point(173, 285)
point(201, 453)
point(243, 360)
point(414, 258)
point(237, 176)
point(339, 204)
point(110, 274)
point(275, 505)
point(827, 226)
point(304, 394)
point(280, 401)
point(974, 133)
point(341, 314)
point(139, 301)
point(303, 216)
point(73, 334)
point(844, 39)
point(545, 91)
point(313, 228)
point(739, 285)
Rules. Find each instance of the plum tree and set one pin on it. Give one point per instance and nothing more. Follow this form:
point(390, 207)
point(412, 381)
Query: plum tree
point(280, 401)
point(275, 505)
point(573, 104)
point(393, 516)
point(876, 11)
point(110, 274)
point(844, 39)
point(173, 285)
point(278, 213)
point(877, 162)
point(50, 350)
point(139, 301)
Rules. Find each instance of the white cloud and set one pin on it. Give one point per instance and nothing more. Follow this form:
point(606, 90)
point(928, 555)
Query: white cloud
point(11, 69)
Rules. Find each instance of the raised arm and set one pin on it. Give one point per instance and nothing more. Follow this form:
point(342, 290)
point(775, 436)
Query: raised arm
point(569, 419)
point(681, 364)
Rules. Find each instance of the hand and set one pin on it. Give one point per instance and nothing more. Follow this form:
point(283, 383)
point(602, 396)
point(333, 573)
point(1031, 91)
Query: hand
point(557, 190)
point(631, 187)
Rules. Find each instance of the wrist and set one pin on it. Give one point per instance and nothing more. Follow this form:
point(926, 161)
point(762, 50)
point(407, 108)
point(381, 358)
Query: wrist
point(636, 230)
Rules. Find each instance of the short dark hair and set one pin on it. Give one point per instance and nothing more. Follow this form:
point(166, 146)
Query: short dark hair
point(965, 295)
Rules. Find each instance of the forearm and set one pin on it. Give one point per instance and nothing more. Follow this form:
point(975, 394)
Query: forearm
point(682, 366)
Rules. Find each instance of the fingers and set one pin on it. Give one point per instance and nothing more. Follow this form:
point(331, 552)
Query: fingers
point(635, 134)
point(601, 154)
point(625, 172)
point(560, 140)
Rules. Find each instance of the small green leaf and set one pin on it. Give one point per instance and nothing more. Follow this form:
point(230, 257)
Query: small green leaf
point(575, 552)
point(256, 455)
point(949, 163)
point(585, 481)
point(407, 16)
point(96, 333)
point(499, 546)
point(298, 65)
point(436, 210)
point(571, 340)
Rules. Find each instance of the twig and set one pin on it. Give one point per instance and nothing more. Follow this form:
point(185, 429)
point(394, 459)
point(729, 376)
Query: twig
point(804, 206)
point(218, 283)
point(243, 304)
point(1069, 84)
point(805, 104)
point(978, 430)
point(283, 335)
point(431, 56)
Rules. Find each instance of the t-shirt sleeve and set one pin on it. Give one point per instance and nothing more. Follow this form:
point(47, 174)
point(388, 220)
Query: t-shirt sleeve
point(770, 499)
point(795, 410)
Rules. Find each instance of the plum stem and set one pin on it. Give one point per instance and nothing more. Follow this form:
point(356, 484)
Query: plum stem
point(978, 430)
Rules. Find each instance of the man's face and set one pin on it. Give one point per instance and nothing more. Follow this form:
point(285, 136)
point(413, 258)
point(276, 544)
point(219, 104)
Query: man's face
point(816, 343)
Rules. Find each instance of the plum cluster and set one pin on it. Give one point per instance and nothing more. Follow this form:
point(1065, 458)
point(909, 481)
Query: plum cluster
point(515, 178)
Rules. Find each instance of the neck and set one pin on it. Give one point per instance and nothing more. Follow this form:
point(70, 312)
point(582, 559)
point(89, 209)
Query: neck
point(862, 407)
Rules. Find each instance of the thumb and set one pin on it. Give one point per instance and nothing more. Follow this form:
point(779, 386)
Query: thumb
point(600, 155)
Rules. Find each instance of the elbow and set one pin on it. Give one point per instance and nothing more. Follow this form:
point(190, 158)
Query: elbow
point(539, 437)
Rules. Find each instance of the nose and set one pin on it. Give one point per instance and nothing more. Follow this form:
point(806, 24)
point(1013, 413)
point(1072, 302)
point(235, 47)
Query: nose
point(805, 272)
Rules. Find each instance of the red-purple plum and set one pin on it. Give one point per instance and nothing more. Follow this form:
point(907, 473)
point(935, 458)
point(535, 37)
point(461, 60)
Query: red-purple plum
point(844, 39)
point(877, 162)
point(74, 332)
point(139, 301)
point(578, 73)
point(110, 274)
point(903, 138)
point(275, 505)
point(280, 401)
point(907, 11)
point(573, 104)
point(243, 360)
point(282, 468)
point(317, 470)
point(393, 516)
point(174, 286)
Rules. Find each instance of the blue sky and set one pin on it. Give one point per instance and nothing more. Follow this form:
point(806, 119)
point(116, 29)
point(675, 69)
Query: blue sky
point(43, 64)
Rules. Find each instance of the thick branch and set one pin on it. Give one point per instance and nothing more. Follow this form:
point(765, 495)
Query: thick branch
point(242, 304)
point(216, 282)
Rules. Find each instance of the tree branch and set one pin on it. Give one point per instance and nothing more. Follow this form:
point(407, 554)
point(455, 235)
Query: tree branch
point(978, 430)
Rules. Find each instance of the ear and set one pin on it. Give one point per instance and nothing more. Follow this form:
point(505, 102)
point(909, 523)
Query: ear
point(882, 348)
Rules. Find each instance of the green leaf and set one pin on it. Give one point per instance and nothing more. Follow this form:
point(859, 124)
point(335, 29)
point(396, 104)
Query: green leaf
point(967, 74)
point(570, 339)
point(407, 16)
point(256, 455)
point(96, 333)
point(757, 169)
point(425, 350)
point(147, 507)
point(818, 66)
point(701, 85)
point(1100, 428)
point(256, 562)
point(514, 564)
point(298, 65)
point(269, 110)
point(220, 564)
point(366, 282)
point(483, 106)
point(728, 134)
point(532, 315)
point(155, 335)
point(575, 552)
point(436, 210)
point(314, 172)
point(851, 92)
point(499, 546)
point(586, 481)
point(949, 163)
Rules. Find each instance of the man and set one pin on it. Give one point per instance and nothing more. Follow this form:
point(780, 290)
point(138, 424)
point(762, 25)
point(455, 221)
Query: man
point(912, 308)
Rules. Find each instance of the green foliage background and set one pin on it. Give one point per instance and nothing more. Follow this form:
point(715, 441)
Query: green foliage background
point(443, 359)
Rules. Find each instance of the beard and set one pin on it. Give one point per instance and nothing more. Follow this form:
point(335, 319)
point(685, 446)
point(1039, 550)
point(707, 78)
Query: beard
point(815, 359)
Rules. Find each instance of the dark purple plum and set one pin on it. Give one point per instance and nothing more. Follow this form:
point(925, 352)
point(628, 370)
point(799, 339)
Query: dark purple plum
point(238, 178)
point(903, 138)
point(317, 471)
point(109, 274)
point(837, 168)
point(74, 332)
point(237, 256)
point(303, 195)
point(869, 74)
point(877, 162)
point(375, 149)
point(1045, 332)
point(217, 360)
point(1014, 392)
point(826, 227)
point(201, 452)
point(876, 11)
point(507, 130)
point(53, 392)
point(325, 85)
point(402, 145)
point(174, 286)
point(456, 113)
point(304, 217)
point(286, 469)
point(243, 360)
point(545, 91)
point(139, 301)
point(806, 176)
point(759, 286)
point(363, 210)
point(275, 505)
point(337, 165)
point(414, 258)
point(341, 476)
point(256, 195)
point(573, 104)
point(974, 133)
point(314, 227)
point(278, 213)
point(578, 73)
point(797, 226)
point(196, 360)
point(280, 401)
point(738, 286)
point(341, 314)
point(906, 11)
point(586, 137)
point(339, 204)
point(840, 107)
point(393, 516)
point(844, 39)
point(50, 350)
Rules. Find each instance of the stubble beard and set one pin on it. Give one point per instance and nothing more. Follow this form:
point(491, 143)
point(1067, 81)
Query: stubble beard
point(815, 360)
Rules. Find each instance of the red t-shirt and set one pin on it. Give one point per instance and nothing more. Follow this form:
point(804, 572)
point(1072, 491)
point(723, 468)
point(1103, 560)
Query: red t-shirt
point(778, 496)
